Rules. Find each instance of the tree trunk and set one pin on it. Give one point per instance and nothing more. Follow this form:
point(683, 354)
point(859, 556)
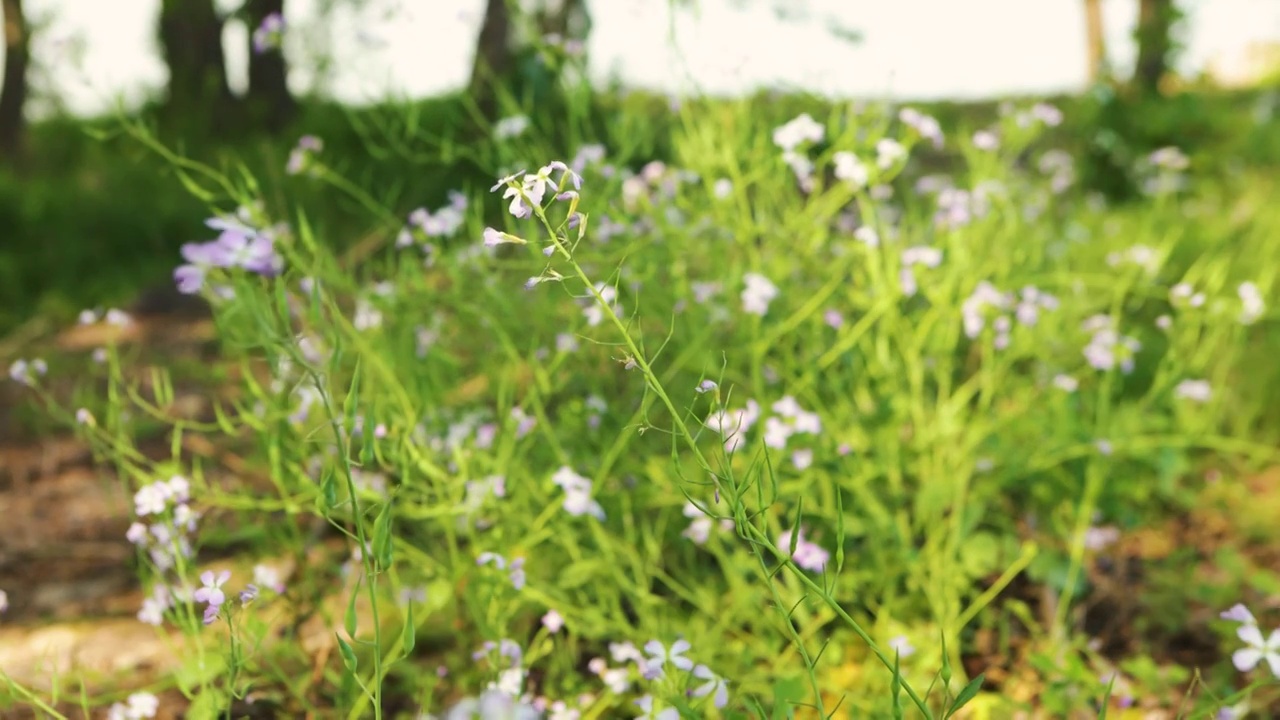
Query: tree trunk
point(13, 92)
point(191, 45)
point(1155, 23)
point(1095, 38)
point(269, 101)
point(495, 56)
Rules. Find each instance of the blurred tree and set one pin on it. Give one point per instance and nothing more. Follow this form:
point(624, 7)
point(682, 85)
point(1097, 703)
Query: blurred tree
point(13, 91)
point(508, 53)
point(1156, 47)
point(1095, 40)
point(269, 102)
point(190, 33)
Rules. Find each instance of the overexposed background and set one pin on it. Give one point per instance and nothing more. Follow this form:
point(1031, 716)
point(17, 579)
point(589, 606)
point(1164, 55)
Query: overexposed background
point(101, 50)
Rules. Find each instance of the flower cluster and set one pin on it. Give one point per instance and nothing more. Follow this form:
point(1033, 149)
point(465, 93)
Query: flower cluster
point(526, 191)
point(424, 225)
point(172, 521)
point(1107, 348)
point(26, 372)
point(241, 243)
point(986, 298)
point(928, 257)
point(794, 138)
point(514, 568)
point(577, 494)
point(926, 126)
point(137, 706)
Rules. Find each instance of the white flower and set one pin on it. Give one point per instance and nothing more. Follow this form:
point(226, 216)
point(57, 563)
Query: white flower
point(850, 169)
point(757, 294)
point(1259, 649)
point(1197, 390)
point(1251, 302)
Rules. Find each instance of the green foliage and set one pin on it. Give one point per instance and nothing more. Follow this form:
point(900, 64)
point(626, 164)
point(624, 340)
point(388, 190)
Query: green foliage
point(489, 435)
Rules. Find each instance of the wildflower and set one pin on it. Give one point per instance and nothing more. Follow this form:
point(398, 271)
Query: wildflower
point(553, 621)
point(249, 594)
point(722, 188)
point(25, 372)
point(493, 704)
point(986, 140)
point(577, 491)
point(889, 153)
point(733, 425)
point(268, 577)
point(807, 555)
point(1239, 613)
point(1047, 114)
point(510, 127)
point(659, 656)
point(902, 646)
point(1098, 538)
point(798, 131)
point(645, 703)
point(269, 35)
point(152, 610)
point(1065, 383)
point(867, 236)
point(714, 685)
point(706, 386)
point(1251, 302)
point(150, 499)
point(138, 706)
point(515, 570)
point(926, 125)
point(211, 593)
point(1197, 390)
point(758, 294)
point(302, 155)
point(1259, 649)
point(850, 169)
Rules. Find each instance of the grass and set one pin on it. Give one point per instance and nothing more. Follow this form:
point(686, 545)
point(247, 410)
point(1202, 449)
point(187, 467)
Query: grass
point(848, 477)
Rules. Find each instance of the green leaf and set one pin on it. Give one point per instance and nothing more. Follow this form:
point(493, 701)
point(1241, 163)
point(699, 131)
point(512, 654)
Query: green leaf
point(969, 692)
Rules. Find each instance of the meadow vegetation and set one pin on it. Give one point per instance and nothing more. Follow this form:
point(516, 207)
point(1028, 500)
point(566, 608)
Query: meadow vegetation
point(746, 408)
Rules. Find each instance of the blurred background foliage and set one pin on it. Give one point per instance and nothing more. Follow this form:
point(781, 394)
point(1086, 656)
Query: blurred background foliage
point(89, 215)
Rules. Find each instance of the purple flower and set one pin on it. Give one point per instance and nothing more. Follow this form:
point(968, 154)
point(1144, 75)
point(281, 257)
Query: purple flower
point(269, 35)
point(714, 684)
point(25, 372)
point(659, 656)
point(577, 494)
point(211, 592)
point(1239, 613)
point(706, 386)
point(808, 556)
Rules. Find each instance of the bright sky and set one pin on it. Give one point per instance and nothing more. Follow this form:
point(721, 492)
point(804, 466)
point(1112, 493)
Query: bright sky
point(99, 49)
